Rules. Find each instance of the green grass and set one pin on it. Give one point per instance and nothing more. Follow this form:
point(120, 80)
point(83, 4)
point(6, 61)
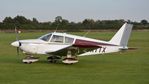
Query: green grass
point(131, 67)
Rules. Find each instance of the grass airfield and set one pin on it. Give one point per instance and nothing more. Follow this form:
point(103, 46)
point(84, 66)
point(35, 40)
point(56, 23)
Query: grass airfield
point(131, 67)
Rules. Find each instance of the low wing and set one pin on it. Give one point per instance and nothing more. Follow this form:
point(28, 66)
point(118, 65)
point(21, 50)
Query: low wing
point(75, 50)
point(58, 49)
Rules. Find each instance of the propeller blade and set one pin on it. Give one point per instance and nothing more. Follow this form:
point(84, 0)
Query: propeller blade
point(17, 39)
point(18, 50)
point(17, 34)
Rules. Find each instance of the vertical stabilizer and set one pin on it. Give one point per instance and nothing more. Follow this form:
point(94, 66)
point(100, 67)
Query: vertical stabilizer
point(122, 36)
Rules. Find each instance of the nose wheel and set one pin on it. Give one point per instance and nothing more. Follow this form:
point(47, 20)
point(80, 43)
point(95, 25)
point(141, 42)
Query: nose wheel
point(30, 59)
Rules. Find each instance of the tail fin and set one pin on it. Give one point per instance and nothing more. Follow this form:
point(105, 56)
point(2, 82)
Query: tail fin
point(122, 36)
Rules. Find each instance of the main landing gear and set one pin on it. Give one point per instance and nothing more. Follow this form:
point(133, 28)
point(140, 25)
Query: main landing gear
point(70, 59)
point(53, 59)
point(30, 59)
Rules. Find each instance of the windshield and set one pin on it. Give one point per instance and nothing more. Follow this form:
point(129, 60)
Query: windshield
point(45, 37)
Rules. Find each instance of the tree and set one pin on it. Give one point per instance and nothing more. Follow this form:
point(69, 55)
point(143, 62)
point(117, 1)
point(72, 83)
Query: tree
point(21, 20)
point(144, 22)
point(65, 22)
point(88, 23)
point(8, 20)
point(58, 19)
point(35, 20)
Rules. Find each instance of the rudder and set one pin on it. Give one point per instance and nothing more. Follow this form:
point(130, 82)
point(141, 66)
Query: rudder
point(122, 36)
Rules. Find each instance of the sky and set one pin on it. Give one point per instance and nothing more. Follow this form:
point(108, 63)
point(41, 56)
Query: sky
point(76, 10)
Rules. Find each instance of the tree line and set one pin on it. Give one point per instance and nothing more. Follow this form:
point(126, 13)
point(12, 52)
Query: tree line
point(62, 24)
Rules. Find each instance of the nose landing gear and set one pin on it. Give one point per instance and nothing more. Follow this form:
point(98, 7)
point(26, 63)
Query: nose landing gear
point(30, 59)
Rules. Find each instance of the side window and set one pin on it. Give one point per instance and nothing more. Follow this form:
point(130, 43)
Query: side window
point(56, 38)
point(68, 40)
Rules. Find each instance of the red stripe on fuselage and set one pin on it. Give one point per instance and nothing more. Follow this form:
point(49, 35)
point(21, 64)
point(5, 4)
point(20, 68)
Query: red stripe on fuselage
point(88, 44)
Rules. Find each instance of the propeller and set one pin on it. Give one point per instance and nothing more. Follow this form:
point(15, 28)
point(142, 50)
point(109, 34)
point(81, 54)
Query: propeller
point(17, 39)
point(18, 48)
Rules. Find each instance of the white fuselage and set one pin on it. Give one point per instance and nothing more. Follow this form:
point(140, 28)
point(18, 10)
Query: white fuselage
point(54, 42)
point(39, 46)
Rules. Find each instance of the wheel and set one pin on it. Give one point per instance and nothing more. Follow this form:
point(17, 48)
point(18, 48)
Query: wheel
point(53, 59)
point(27, 62)
point(50, 59)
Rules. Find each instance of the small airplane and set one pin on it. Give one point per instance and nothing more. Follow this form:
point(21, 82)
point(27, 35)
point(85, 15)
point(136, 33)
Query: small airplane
point(66, 47)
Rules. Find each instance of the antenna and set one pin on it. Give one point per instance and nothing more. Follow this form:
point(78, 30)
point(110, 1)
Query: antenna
point(86, 33)
point(58, 24)
point(56, 27)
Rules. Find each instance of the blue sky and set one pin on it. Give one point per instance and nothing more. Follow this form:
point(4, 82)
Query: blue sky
point(76, 10)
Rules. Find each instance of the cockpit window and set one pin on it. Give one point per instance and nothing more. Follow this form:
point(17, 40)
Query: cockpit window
point(69, 40)
point(56, 38)
point(46, 37)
